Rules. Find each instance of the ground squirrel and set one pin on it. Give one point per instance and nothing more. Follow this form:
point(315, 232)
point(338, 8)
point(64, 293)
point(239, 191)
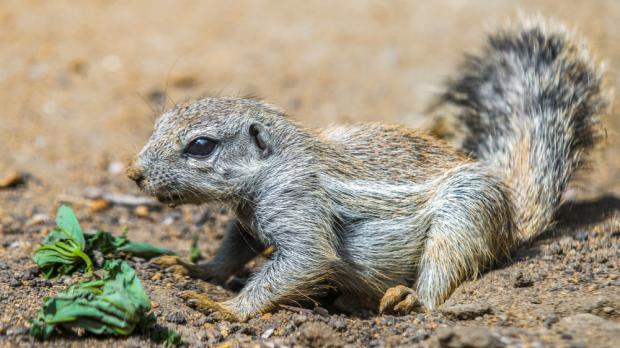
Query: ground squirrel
point(373, 207)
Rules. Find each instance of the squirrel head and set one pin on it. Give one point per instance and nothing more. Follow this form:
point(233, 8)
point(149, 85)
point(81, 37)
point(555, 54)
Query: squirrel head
point(206, 150)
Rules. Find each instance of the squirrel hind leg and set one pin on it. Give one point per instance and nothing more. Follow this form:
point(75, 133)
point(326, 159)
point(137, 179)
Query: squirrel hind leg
point(472, 227)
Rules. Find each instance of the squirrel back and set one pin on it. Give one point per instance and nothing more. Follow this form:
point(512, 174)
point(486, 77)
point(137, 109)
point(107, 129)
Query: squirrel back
point(529, 105)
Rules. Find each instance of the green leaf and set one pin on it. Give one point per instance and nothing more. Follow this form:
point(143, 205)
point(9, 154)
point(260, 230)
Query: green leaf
point(102, 241)
point(143, 250)
point(60, 258)
point(62, 250)
point(172, 338)
point(106, 243)
point(114, 305)
point(68, 223)
point(194, 254)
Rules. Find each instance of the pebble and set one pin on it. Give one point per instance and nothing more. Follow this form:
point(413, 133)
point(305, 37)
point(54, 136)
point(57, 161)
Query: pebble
point(581, 236)
point(267, 333)
point(471, 337)
point(37, 219)
point(247, 330)
point(299, 319)
point(521, 280)
point(97, 205)
point(192, 302)
point(321, 311)
point(141, 211)
point(17, 330)
point(176, 318)
point(338, 323)
point(550, 320)
point(11, 179)
point(466, 311)
point(555, 248)
point(597, 331)
point(317, 334)
point(388, 320)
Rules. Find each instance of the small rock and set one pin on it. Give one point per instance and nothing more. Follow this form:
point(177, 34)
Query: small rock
point(176, 318)
point(607, 310)
point(521, 280)
point(607, 306)
point(566, 336)
point(11, 179)
point(299, 319)
point(468, 337)
point(192, 302)
point(555, 249)
point(598, 332)
point(466, 311)
point(581, 236)
point(317, 334)
point(321, 311)
point(141, 211)
point(30, 273)
point(388, 320)
point(550, 320)
point(338, 323)
point(267, 333)
point(97, 205)
point(37, 219)
point(16, 331)
point(247, 330)
point(201, 321)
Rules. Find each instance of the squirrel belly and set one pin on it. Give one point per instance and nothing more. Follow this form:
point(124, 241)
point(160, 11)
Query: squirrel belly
point(364, 208)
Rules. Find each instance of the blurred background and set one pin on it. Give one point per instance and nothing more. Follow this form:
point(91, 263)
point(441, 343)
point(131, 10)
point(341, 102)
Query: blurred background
point(81, 82)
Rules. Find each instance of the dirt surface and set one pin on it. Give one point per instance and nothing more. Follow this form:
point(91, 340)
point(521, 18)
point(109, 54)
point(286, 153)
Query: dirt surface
point(82, 82)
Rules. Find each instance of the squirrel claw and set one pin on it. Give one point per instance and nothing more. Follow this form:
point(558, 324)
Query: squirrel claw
point(180, 267)
point(400, 300)
point(173, 264)
point(204, 304)
point(166, 261)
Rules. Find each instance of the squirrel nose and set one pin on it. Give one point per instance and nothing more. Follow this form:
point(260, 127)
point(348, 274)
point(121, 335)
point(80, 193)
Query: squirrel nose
point(135, 172)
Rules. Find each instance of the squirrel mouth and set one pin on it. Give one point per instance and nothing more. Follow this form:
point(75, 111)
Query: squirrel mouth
point(170, 199)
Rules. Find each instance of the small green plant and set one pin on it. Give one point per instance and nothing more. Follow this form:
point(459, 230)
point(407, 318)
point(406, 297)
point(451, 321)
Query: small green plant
point(107, 244)
point(63, 250)
point(113, 305)
point(116, 304)
point(194, 254)
point(67, 249)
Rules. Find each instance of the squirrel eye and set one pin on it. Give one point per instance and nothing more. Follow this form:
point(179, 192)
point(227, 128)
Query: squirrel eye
point(200, 147)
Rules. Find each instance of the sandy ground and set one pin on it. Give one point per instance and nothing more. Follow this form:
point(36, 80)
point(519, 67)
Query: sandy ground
point(82, 82)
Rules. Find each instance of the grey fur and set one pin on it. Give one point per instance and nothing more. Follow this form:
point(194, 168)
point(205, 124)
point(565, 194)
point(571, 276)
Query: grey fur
point(530, 104)
point(369, 207)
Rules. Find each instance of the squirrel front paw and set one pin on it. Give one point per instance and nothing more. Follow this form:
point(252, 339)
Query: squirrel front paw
point(178, 266)
point(400, 300)
point(204, 304)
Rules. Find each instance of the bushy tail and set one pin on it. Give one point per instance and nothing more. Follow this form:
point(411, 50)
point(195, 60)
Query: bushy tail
point(530, 105)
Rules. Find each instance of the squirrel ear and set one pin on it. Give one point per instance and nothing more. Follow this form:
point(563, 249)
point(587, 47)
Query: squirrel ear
point(261, 138)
